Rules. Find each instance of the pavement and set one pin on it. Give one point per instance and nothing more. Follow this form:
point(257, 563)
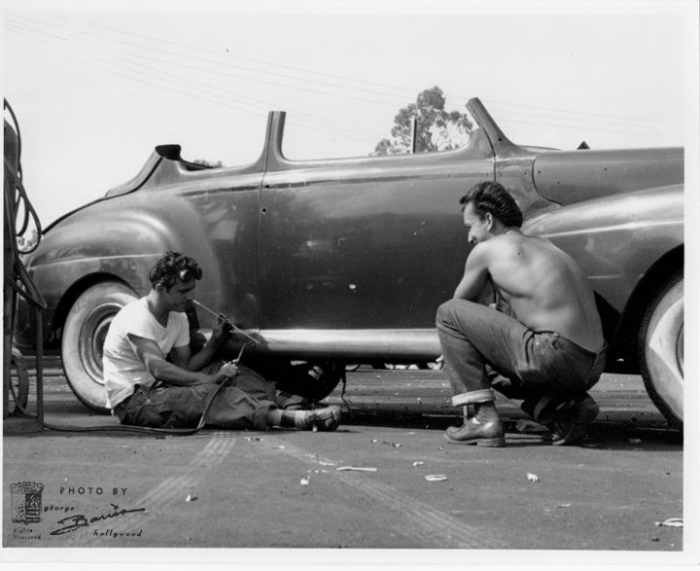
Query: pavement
point(385, 480)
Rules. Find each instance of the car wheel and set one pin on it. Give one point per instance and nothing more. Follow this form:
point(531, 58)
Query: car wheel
point(661, 349)
point(83, 337)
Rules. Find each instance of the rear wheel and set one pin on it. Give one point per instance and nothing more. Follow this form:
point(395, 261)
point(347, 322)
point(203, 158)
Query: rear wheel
point(83, 337)
point(661, 349)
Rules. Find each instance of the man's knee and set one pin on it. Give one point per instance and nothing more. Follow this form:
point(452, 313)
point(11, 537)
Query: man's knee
point(452, 311)
point(444, 312)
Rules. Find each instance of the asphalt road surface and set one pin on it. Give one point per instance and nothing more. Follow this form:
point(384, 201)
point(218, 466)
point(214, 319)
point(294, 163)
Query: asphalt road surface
point(384, 479)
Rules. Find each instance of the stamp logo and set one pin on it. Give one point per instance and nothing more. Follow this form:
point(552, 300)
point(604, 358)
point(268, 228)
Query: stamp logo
point(26, 502)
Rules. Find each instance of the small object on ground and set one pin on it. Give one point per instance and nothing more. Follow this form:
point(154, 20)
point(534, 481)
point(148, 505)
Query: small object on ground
point(671, 522)
point(355, 469)
point(436, 477)
point(304, 482)
point(190, 498)
point(418, 463)
point(532, 477)
point(530, 427)
point(564, 506)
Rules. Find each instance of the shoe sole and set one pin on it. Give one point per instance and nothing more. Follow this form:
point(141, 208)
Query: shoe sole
point(487, 442)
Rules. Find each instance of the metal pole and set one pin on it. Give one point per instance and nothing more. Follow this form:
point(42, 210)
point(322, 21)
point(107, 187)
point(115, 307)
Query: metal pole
point(414, 131)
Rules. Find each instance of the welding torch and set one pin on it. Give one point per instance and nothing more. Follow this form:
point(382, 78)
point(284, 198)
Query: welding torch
point(232, 324)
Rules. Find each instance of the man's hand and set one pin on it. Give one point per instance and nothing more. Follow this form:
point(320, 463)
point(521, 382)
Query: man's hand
point(221, 331)
point(228, 371)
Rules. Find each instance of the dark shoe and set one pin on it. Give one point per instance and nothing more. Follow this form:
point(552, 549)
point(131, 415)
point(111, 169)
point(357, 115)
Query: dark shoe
point(571, 419)
point(324, 419)
point(483, 434)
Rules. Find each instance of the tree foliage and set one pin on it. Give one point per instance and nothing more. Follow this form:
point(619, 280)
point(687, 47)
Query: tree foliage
point(437, 130)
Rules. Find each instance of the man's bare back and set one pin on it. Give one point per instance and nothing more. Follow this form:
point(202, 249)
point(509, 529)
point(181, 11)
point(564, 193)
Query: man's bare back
point(544, 286)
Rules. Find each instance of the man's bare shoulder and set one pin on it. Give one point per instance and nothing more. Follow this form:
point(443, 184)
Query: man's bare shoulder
point(504, 244)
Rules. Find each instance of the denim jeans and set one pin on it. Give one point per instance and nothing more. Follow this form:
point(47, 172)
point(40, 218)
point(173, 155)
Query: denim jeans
point(245, 405)
point(484, 348)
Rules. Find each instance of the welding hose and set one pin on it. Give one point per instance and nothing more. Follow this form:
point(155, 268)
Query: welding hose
point(21, 197)
point(144, 429)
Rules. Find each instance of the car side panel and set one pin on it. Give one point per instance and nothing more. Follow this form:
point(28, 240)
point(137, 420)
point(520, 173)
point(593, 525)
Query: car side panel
point(363, 248)
point(571, 176)
point(121, 238)
point(618, 238)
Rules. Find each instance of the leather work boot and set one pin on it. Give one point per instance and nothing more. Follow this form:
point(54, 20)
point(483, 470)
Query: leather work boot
point(323, 419)
point(489, 433)
point(484, 428)
point(571, 419)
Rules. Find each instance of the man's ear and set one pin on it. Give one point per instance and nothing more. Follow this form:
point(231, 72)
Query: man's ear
point(160, 288)
point(489, 220)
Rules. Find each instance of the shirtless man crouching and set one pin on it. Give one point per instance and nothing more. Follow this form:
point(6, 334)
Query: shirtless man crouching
point(549, 354)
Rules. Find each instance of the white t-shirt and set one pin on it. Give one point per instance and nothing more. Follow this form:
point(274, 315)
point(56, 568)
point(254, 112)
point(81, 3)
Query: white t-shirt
point(122, 367)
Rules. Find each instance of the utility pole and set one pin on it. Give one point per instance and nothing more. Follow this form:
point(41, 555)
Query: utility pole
point(414, 130)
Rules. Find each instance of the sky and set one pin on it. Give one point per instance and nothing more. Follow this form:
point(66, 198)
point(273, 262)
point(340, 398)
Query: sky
point(96, 86)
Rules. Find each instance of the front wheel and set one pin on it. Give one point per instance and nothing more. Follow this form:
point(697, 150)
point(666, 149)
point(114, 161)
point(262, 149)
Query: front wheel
point(661, 349)
point(83, 337)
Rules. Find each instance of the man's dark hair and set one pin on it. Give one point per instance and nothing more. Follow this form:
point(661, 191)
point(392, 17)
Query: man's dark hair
point(174, 266)
point(491, 197)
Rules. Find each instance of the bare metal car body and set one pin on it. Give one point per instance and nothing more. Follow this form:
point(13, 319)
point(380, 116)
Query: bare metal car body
point(348, 259)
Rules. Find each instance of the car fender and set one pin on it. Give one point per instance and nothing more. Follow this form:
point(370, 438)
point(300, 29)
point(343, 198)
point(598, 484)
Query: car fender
point(76, 257)
point(616, 240)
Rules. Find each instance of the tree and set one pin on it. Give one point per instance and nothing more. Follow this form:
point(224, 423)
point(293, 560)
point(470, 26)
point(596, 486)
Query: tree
point(437, 130)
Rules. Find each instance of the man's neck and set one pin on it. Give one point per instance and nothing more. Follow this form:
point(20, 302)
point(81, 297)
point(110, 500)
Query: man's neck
point(156, 308)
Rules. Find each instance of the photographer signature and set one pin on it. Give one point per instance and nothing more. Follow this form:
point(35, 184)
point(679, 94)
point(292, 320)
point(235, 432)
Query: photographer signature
point(77, 521)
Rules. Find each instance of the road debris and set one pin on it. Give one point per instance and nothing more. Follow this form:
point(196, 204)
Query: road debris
point(529, 427)
point(252, 438)
point(355, 469)
point(394, 444)
point(532, 477)
point(190, 498)
point(304, 482)
point(418, 463)
point(671, 522)
point(322, 463)
point(436, 477)
point(564, 506)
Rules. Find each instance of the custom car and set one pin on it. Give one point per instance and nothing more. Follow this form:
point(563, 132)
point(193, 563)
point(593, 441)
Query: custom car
point(337, 261)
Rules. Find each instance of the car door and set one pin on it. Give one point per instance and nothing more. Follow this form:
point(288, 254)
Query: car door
point(364, 243)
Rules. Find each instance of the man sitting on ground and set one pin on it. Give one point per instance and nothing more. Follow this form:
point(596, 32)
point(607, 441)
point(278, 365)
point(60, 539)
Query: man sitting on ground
point(145, 389)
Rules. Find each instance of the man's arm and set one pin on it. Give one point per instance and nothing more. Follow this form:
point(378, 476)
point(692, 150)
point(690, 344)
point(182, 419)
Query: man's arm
point(475, 276)
point(182, 356)
point(149, 353)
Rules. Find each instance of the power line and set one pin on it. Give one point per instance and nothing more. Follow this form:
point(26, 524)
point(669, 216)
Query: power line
point(224, 104)
point(217, 91)
point(311, 117)
point(230, 65)
point(634, 119)
point(312, 72)
point(342, 78)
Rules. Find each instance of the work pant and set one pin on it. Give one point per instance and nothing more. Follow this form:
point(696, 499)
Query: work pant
point(244, 403)
point(484, 348)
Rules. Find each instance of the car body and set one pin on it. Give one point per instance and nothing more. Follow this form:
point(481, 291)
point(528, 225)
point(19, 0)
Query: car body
point(348, 259)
